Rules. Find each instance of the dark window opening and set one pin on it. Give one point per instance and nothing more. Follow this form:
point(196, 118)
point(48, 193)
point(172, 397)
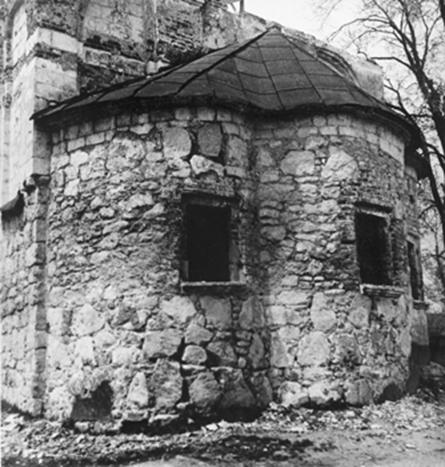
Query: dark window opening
point(373, 249)
point(415, 271)
point(207, 243)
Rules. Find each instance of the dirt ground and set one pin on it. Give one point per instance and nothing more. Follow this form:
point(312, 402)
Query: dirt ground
point(409, 432)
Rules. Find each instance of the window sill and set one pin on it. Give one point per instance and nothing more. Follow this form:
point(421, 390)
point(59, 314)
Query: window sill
point(219, 287)
point(386, 291)
point(420, 305)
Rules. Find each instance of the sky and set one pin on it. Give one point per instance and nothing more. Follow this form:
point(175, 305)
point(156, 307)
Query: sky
point(302, 14)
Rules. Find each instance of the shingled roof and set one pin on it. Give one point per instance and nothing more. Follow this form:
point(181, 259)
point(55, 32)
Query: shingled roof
point(271, 73)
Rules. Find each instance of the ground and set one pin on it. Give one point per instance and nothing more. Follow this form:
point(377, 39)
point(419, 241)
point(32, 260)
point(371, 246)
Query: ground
point(409, 432)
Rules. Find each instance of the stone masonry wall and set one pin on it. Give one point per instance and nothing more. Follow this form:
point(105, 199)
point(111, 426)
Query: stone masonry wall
point(22, 294)
point(331, 343)
point(302, 325)
point(118, 321)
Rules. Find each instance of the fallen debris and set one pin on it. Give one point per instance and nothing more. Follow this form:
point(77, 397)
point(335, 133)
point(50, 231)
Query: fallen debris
point(280, 434)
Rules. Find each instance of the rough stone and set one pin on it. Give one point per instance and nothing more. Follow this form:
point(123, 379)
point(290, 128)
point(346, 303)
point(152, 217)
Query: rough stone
point(217, 311)
point(137, 201)
point(205, 393)
point(237, 151)
point(123, 356)
point(221, 353)
point(138, 393)
point(210, 139)
point(387, 309)
point(179, 309)
point(86, 320)
point(358, 393)
point(323, 394)
point(292, 297)
point(298, 163)
point(313, 349)
point(194, 355)
point(292, 394)
point(340, 166)
point(283, 343)
point(166, 384)
point(262, 390)
point(161, 343)
point(359, 312)
point(257, 352)
point(201, 165)
point(177, 143)
point(85, 350)
point(347, 350)
point(322, 315)
point(196, 334)
point(237, 395)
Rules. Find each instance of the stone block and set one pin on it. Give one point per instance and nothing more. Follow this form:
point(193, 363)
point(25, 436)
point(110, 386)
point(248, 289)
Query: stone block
point(217, 311)
point(166, 385)
point(347, 350)
point(138, 394)
point(210, 140)
point(313, 143)
point(194, 355)
point(196, 334)
point(322, 315)
point(339, 166)
point(314, 349)
point(85, 350)
point(359, 311)
point(161, 343)
point(358, 393)
point(86, 320)
point(274, 233)
point(298, 163)
point(323, 394)
point(78, 158)
point(283, 315)
point(237, 396)
point(283, 346)
point(221, 353)
point(205, 393)
point(201, 165)
point(236, 151)
point(177, 143)
point(179, 309)
point(123, 356)
point(262, 389)
point(293, 297)
point(292, 394)
point(252, 314)
point(387, 309)
point(206, 114)
point(257, 352)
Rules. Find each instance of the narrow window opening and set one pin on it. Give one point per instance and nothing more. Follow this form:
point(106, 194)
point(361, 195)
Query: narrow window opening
point(207, 243)
point(373, 249)
point(415, 271)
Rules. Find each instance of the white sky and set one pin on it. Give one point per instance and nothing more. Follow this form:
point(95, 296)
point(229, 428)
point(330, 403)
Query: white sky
point(302, 14)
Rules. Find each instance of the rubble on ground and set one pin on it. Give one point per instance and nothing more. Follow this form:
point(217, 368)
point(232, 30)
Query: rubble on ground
point(280, 433)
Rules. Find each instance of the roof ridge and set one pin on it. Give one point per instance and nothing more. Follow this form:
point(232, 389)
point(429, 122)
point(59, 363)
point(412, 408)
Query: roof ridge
point(302, 67)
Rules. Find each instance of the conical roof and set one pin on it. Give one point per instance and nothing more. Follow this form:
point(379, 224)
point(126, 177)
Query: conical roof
point(271, 73)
